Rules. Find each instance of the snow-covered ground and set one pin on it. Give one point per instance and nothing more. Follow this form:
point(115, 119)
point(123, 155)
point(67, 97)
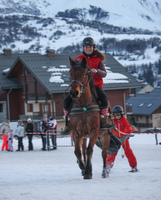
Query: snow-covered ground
point(45, 175)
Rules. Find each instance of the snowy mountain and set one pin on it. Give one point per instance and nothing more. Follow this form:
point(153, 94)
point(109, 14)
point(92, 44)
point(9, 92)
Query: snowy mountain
point(130, 30)
point(144, 14)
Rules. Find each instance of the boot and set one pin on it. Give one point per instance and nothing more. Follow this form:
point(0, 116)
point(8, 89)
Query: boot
point(104, 125)
point(67, 130)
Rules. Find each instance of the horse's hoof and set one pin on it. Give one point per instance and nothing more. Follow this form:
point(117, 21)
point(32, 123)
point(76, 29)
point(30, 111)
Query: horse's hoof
point(83, 171)
point(88, 176)
point(105, 173)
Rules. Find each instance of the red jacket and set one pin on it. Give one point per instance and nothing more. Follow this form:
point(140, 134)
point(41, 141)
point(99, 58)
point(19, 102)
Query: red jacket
point(93, 62)
point(122, 125)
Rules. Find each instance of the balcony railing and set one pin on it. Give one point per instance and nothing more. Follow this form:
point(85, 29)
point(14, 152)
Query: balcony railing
point(39, 115)
point(39, 96)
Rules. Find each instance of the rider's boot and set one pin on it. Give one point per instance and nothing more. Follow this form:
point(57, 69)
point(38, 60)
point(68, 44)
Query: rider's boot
point(105, 125)
point(67, 129)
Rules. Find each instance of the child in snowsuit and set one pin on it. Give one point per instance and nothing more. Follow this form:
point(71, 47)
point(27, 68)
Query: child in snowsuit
point(10, 141)
point(122, 126)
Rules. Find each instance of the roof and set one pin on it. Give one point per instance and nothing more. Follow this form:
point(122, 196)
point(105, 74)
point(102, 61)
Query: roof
point(53, 72)
point(5, 64)
point(145, 104)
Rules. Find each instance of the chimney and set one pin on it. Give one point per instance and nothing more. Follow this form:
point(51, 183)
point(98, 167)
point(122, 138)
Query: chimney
point(7, 52)
point(50, 52)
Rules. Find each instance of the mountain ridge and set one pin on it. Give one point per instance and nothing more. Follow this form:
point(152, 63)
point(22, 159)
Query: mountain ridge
point(122, 13)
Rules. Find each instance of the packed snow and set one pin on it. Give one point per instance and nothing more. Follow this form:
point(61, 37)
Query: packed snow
point(44, 175)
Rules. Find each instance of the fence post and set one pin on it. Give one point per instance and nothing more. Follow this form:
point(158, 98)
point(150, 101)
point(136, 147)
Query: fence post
point(156, 137)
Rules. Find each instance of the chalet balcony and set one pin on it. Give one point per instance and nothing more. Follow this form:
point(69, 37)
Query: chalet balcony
point(39, 96)
point(56, 115)
point(38, 115)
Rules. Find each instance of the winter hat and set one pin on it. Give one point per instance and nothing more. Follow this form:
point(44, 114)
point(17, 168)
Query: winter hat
point(29, 119)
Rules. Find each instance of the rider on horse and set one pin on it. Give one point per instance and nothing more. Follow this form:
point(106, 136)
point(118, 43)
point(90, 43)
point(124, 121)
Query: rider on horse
point(94, 60)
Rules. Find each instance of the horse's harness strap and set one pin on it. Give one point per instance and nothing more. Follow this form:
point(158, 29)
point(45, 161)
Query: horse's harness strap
point(75, 111)
point(92, 99)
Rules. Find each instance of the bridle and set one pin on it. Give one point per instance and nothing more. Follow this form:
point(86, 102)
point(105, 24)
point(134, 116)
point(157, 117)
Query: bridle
point(82, 84)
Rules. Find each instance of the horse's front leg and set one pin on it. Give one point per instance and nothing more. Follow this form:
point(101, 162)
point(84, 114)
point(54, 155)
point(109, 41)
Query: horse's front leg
point(84, 148)
point(79, 155)
point(89, 153)
point(105, 145)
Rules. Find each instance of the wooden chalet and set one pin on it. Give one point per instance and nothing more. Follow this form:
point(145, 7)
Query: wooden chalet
point(144, 110)
point(32, 84)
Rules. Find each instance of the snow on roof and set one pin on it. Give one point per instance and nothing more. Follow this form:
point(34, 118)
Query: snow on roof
point(6, 70)
point(114, 77)
point(111, 77)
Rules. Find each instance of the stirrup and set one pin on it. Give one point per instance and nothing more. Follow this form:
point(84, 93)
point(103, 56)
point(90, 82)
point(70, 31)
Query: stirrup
point(66, 131)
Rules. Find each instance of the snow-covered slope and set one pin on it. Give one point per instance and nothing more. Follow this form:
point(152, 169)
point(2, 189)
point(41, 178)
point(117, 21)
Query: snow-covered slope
point(144, 14)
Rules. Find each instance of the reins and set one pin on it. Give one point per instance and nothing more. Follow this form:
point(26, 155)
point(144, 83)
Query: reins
point(81, 84)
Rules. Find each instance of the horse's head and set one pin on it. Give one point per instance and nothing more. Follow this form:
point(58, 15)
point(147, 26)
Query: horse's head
point(79, 77)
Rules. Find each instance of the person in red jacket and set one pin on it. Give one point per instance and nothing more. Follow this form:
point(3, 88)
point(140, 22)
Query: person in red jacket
point(5, 130)
point(94, 60)
point(122, 126)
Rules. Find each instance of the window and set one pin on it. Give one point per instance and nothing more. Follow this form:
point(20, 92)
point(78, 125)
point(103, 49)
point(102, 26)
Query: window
point(141, 104)
point(149, 105)
point(30, 107)
point(45, 108)
point(1, 107)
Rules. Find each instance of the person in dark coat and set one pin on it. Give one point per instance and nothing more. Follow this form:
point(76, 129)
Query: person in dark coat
point(40, 127)
point(45, 128)
point(29, 130)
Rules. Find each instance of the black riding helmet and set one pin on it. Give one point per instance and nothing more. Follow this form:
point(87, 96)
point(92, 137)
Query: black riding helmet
point(88, 41)
point(118, 110)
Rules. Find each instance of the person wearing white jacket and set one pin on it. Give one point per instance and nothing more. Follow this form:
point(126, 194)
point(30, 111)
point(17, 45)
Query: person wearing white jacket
point(53, 130)
point(20, 134)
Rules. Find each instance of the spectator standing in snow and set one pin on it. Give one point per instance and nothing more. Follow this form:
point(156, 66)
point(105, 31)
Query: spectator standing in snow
point(40, 128)
point(29, 130)
point(5, 129)
point(20, 134)
point(45, 128)
point(53, 128)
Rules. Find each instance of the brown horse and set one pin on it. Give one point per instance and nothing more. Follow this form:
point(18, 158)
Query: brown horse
point(85, 118)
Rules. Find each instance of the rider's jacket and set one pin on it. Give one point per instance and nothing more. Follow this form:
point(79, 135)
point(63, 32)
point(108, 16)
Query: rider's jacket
point(93, 62)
